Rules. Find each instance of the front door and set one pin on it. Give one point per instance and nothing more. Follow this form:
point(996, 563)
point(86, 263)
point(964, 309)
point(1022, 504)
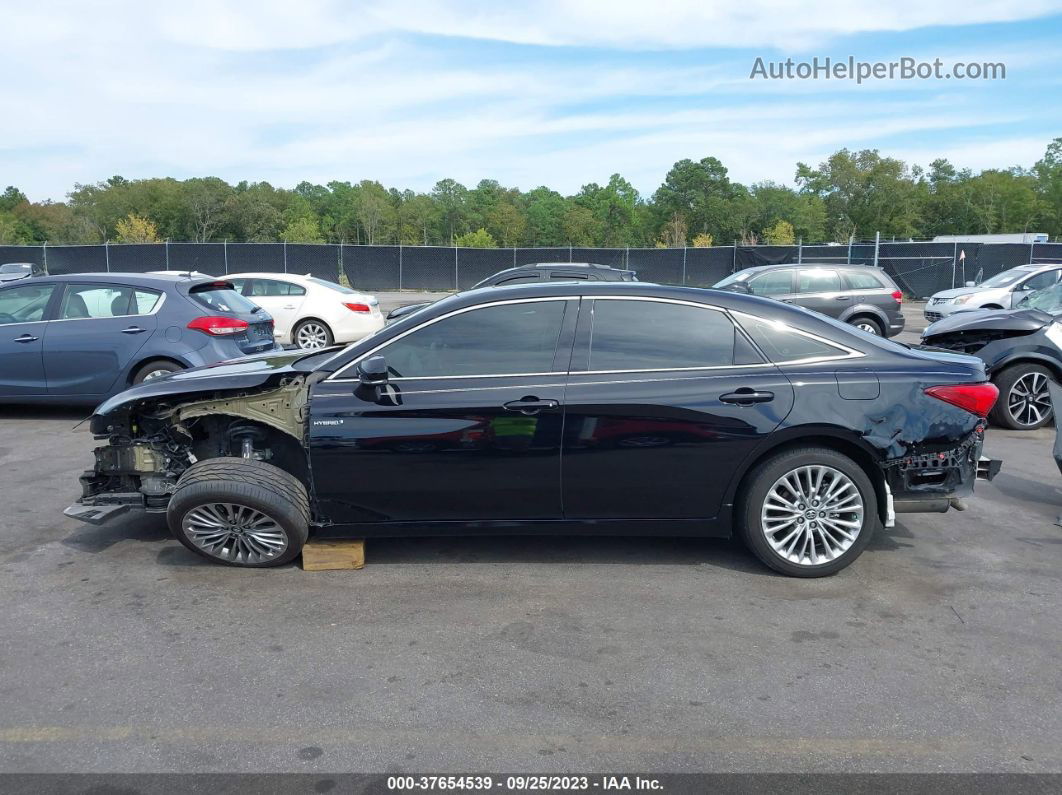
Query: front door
point(22, 325)
point(95, 337)
point(467, 428)
point(665, 400)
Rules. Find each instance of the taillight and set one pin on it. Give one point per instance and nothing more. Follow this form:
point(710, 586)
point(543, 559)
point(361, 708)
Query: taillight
point(975, 398)
point(897, 296)
point(219, 326)
point(358, 307)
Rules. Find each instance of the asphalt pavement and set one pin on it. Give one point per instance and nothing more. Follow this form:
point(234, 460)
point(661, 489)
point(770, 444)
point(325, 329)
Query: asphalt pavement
point(122, 651)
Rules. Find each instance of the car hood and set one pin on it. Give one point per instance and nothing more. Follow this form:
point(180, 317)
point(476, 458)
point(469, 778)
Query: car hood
point(1021, 320)
point(247, 373)
point(957, 291)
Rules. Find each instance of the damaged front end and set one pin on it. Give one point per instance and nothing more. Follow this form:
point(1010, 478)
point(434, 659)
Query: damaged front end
point(151, 439)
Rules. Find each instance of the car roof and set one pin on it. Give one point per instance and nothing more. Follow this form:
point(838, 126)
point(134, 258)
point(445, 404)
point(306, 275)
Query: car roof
point(138, 279)
point(299, 277)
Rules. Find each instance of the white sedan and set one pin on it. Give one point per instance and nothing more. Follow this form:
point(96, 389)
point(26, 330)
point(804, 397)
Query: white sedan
point(309, 312)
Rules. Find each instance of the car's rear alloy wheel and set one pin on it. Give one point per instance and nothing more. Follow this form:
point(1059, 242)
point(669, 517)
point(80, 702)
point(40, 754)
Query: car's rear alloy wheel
point(312, 334)
point(240, 511)
point(1024, 401)
point(807, 512)
point(869, 326)
point(812, 515)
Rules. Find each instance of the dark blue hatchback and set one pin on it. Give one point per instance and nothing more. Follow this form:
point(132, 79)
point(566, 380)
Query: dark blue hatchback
point(83, 337)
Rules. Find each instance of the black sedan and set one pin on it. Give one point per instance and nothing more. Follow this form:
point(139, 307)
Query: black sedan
point(555, 408)
point(1021, 349)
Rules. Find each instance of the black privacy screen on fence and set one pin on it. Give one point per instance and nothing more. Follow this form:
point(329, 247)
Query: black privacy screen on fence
point(920, 269)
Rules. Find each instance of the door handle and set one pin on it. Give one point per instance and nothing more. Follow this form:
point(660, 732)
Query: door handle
point(289, 306)
point(133, 330)
point(746, 397)
point(841, 297)
point(529, 405)
point(26, 338)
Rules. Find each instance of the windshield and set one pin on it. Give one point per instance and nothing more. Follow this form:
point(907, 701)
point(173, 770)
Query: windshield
point(1047, 300)
point(16, 267)
point(339, 288)
point(1006, 277)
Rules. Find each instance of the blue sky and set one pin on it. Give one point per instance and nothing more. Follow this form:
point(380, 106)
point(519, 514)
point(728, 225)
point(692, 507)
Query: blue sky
point(557, 93)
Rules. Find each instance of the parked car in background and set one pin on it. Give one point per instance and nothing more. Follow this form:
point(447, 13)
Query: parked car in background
point(1021, 349)
point(80, 338)
point(13, 271)
point(1003, 291)
point(539, 272)
point(311, 313)
point(678, 415)
point(862, 296)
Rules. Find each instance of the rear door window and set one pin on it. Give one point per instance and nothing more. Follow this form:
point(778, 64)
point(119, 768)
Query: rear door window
point(267, 288)
point(657, 335)
point(818, 280)
point(86, 301)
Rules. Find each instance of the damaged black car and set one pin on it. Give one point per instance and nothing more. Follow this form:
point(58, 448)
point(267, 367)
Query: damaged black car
point(1021, 349)
point(604, 409)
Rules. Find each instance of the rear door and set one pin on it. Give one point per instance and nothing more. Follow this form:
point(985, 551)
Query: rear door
point(820, 289)
point(95, 335)
point(281, 299)
point(664, 401)
point(23, 313)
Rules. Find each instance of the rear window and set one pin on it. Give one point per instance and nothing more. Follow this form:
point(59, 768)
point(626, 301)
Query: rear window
point(339, 288)
point(221, 298)
point(863, 280)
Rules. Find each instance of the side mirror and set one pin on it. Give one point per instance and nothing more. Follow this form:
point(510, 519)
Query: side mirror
point(971, 284)
point(373, 371)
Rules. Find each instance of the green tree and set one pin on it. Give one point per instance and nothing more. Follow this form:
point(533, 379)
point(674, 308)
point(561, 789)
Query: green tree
point(507, 224)
point(451, 197)
point(303, 230)
point(1048, 174)
point(481, 238)
point(781, 234)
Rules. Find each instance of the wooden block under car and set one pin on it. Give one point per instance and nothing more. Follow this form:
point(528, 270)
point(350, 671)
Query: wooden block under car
point(333, 554)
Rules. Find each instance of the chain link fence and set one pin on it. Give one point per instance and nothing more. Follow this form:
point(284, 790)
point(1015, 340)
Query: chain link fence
point(919, 268)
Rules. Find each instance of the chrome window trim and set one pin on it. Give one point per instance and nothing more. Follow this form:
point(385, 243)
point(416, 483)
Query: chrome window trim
point(336, 376)
point(154, 310)
point(849, 353)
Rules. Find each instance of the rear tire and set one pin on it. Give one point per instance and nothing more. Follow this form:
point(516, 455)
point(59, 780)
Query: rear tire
point(155, 369)
point(240, 512)
point(312, 335)
point(869, 325)
point(1024, 403)
point(834, 511)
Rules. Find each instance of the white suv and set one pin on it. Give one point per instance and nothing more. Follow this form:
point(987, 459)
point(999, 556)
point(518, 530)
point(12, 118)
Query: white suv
point(1002, 291)
point(311, 313)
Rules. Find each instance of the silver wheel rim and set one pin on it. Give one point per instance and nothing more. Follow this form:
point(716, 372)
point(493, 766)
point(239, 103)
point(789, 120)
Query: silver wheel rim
point(812, 515)
point(868, 328)
point(1028, 401)
point(235, 533)
point(311, 335)
point(156, 374)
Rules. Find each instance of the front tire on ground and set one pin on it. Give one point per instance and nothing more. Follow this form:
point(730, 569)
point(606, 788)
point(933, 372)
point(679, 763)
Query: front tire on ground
point(1024, 403)
point(240, 512)
point(807, 511)
point(311, 334)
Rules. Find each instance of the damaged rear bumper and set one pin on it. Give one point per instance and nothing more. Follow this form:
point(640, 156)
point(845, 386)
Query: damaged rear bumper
point(938, 480)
